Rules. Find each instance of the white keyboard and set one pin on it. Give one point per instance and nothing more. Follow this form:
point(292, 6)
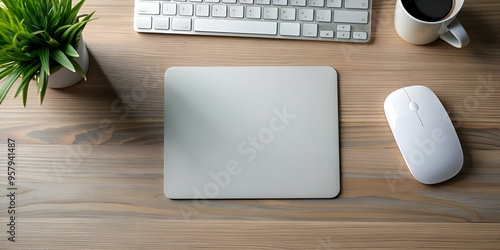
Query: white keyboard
point(325, 20)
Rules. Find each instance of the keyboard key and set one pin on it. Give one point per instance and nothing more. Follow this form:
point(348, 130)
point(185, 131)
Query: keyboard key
point(356, 4)
point(235, 26)
point(316, 3)
point(202, 10)
point(263, 2)
point(326, 33)
point(219, 10)
point(185, 9)
point(229, 1)
point(148, 8)
point(324, 16)
point(290, 29)
point(183, 24)
point(211, 1)
point(343, 35)
point(236, 11)
point(300, 3)
point(310, 30)
point(246, 1)
point(161, 23)
point(350, 16)
point(360, 35)
point(306, 15)
point(144, 22)
point(334, 3)
point(253, 12)
point(280, 2)
point(271, 13)
point(287, 14)
point(344, 27)
point(169, 9)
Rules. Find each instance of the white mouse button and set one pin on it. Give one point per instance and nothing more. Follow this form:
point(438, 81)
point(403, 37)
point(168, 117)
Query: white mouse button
point(413, 106)
point(393, 108)
point(430, 109)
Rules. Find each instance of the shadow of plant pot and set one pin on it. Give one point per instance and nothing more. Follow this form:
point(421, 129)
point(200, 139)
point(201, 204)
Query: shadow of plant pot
point(64, 78)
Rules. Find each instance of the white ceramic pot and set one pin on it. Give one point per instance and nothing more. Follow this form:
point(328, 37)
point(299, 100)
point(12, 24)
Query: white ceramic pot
point(64, 78)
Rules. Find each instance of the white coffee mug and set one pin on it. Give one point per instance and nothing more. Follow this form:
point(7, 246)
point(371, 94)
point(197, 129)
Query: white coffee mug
point(420, 32)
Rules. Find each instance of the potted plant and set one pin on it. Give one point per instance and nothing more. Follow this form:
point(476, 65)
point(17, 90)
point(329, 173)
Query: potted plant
point(39, 40)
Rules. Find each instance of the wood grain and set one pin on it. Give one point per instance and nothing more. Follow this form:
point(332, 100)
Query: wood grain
point(90, 158)
point(234, 234)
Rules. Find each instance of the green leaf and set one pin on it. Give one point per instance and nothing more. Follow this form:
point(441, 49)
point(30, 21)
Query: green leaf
point(62, 29)
point(45, 59)
point(25, 94)
point(78, 69)
point(74, 11)
point(27, 77)
point(61, 58)
point(70, 51)
point(76, 29)
point(7, 71)
point(24, 86)
point(53, 42)
point(69, 33)
point(42, 84)
point(65, 8)
point(9, 82)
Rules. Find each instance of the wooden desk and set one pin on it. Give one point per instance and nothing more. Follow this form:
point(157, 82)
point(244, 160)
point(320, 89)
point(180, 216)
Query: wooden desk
point(90, 160)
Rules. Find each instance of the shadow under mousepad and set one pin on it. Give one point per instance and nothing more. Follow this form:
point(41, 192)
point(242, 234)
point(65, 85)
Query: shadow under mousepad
point(251, 132)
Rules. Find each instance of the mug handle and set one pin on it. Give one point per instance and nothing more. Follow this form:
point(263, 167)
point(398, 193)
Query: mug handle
point(456, 35)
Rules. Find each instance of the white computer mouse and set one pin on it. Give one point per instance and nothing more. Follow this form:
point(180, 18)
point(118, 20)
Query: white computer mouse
point(424, 133)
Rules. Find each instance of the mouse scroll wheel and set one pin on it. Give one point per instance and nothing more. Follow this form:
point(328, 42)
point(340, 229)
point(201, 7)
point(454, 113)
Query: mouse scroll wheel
point(413, 106)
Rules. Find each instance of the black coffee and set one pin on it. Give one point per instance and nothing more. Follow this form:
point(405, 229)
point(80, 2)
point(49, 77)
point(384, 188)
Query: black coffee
point(428, 10)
